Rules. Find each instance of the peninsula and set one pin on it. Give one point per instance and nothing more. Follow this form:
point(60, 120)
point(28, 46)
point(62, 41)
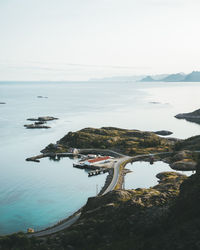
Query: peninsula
point(191, 117)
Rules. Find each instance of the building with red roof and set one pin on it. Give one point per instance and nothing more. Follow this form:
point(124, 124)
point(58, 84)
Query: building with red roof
point(97, 160)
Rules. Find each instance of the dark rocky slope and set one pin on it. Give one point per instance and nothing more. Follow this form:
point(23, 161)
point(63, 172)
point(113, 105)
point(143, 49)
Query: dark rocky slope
point(191, 117)
point(154, 218)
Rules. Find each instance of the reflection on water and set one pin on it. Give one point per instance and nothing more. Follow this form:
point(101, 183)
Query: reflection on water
point(143, 174)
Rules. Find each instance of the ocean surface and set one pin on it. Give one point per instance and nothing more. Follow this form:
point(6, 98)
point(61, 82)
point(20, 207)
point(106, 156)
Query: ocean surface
point(40, 194)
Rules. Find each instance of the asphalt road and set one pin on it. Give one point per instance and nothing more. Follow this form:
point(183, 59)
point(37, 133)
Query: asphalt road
point(112, 185)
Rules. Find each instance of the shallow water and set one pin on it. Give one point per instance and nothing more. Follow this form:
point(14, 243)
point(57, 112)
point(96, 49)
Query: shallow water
point(143, 174)
point(40, 194)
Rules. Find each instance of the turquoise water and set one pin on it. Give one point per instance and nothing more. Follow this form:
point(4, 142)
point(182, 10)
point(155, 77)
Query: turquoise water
point(39, 194)
point(143, 174)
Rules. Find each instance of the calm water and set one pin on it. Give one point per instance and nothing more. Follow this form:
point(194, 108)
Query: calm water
point(39, 194)
point(144, 174)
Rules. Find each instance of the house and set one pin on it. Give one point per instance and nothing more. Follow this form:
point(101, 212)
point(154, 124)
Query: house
point(73, 151)
point(97, 160)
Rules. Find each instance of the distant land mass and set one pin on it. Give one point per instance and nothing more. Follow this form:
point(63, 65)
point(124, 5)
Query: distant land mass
point(193, 77)
point(174, 78)
point(178, 77)
point(119, 78)
point(133, 78)
point(148, 79)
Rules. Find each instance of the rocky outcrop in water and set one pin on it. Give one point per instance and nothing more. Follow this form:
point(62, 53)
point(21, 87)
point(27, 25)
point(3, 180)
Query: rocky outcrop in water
point(39, 122)
point(163, 132)
point(191, 117)
point(35, 125)
point(43, 118)
point(40, 96)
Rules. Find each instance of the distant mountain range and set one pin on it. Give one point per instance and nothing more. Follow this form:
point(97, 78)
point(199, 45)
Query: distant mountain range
point(133, 78)
point(179, 77)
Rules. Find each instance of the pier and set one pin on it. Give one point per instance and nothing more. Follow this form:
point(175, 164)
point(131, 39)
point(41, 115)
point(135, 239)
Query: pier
point(51, 155)
point(97, 172)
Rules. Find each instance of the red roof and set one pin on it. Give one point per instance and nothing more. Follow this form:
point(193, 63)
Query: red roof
point(99, 159)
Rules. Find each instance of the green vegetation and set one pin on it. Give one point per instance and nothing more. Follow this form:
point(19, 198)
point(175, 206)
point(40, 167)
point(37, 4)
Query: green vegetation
point(129, 142)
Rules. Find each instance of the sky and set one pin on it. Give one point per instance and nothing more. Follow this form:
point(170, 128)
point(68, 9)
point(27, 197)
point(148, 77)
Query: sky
point(60, 40)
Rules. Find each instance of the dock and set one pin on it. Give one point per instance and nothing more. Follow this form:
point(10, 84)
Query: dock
point(51, 155)
point(97, 172)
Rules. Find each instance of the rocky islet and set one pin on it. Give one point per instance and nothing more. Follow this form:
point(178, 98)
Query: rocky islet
point(40, 122)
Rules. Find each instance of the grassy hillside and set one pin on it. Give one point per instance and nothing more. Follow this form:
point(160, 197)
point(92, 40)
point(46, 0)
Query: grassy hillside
point(129, 142)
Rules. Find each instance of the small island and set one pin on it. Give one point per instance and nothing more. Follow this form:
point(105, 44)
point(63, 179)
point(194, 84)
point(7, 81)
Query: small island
point(163, 132)
point(40, 122)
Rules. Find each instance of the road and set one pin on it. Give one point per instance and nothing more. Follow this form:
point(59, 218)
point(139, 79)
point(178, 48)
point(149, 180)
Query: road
point(57, 228)
point(115, 178)
point(73, 219)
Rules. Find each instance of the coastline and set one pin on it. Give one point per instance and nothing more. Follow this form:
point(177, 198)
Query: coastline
point(114, 181)
point(67, 222)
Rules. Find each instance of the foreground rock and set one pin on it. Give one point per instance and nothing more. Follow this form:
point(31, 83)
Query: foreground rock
point(192, 117)
point(163, 132)
point(165, 217)
point(120, 219)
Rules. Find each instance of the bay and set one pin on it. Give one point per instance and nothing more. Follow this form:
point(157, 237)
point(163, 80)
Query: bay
point(40, 194)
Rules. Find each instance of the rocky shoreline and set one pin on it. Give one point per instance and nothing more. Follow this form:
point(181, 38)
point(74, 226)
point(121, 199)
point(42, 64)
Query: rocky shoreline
point(121, 218)
point(191, 117)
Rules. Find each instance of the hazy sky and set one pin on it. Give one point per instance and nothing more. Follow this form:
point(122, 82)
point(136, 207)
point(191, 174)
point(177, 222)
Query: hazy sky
point(82, 39)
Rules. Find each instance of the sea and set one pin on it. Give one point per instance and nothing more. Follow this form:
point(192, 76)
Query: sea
point(38, 195)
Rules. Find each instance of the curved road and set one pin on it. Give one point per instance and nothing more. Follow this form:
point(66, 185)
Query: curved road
point(112, 185)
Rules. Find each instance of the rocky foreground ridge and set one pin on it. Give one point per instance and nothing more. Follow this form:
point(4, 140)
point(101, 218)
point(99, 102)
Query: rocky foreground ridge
point(165, 216)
